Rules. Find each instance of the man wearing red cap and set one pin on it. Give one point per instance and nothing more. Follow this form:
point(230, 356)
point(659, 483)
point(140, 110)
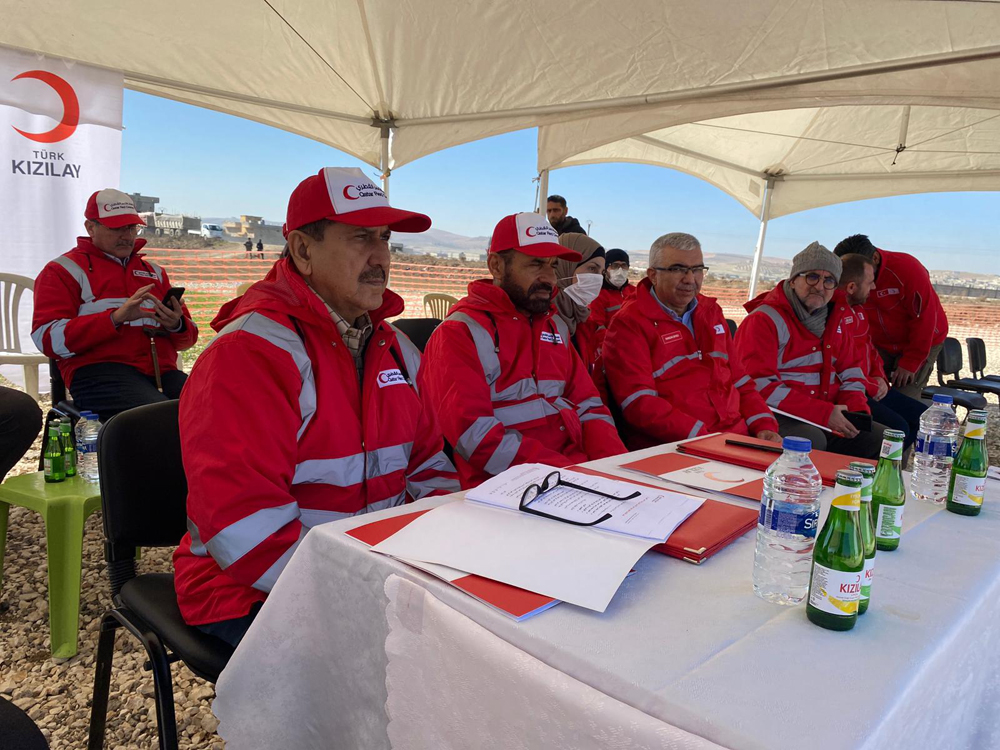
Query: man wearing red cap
point(304, 408)
point(99, 313)
point(501, 372)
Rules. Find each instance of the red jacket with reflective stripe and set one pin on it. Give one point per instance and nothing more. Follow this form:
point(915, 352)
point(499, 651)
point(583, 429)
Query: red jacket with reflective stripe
point(277, 437)
point(904, 310)
point(672, 385)
point(509, 389)
point(75, 295)
point(856, 322)
point(794, 370)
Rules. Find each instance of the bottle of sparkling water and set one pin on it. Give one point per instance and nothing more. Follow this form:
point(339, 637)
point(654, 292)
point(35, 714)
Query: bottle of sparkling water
point(968, 472)
point(838, 559)
point(889, 492)
point(55, 469)
point(786, 527)
point(867, 472)
point(937, 440)
point(68, 446)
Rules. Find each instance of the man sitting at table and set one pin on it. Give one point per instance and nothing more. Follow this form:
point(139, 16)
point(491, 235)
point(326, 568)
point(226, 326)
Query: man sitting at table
point(667, 357)
point(794, 345)
point(501, 372)
point(303, 409)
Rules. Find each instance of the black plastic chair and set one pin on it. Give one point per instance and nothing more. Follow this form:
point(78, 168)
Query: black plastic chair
point(949, 362)
point(418, 330)
point(954, 364)
point(61, 406)
point(143, 498)
point(977, 360)
point(732, 326)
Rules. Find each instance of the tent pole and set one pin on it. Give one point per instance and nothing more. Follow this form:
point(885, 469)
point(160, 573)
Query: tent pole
point(543, 190)
point(765, 214)
point(385, 161)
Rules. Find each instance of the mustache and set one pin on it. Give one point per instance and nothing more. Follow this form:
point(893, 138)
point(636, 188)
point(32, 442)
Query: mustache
point(372, 274)
point(540, 286)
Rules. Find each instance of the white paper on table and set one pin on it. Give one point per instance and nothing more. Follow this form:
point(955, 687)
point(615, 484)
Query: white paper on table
point(711, 475)
point(580, 566)
point(651, 514)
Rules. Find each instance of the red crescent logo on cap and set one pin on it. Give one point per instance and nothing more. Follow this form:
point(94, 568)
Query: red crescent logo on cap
point(530, 231)
point(71, 108)
point(348, 195)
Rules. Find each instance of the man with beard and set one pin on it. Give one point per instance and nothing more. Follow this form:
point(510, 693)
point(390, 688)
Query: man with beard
point(501, 372)
point(794, 346)
point(101, 312)
point(303, 409)
point(559, 218)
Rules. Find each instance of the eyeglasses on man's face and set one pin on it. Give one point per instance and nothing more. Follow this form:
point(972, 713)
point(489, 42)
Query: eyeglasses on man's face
point(679, 270)
point(813, 278)
point(554, 479)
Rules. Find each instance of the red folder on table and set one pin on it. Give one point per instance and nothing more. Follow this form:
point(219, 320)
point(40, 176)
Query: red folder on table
point(664, 463)
point(710, 528)
point(715, 447)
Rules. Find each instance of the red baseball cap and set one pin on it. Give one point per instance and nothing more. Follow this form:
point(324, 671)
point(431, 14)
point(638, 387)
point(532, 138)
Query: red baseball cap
point(530, 234)
point(113, 209)
point(348, 196)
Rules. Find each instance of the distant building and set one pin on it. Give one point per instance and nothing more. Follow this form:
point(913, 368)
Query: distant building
point(144, 203)
point(245, 227)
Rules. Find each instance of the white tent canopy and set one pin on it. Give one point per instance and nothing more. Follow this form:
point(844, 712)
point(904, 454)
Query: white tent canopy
point(345, 71)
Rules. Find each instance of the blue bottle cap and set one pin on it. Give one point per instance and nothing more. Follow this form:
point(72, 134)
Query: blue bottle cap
point(941, 398)
point(797, 444)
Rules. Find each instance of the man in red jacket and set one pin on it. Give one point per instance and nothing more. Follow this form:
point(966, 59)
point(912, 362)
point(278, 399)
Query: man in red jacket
point(667, 357)
point(304, 408)
point(99, 314)
point(501, 372)
point(908, 323)
point(793, 344)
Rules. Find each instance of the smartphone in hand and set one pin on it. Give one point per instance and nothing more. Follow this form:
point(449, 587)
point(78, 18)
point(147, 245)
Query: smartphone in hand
point(175, 292)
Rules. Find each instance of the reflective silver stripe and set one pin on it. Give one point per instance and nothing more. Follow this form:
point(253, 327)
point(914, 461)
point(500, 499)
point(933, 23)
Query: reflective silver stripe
point(339, 472)
point(815, 358)
point(563, 328)
point(854, 385)
point(505, 453)
point(527, 412)
point(587, 404)
point(755, 417)
point(234, 541)
point(520, 390)
point(287, 340)
point(266, 582)
point(485, 346)
point(197, 548)
point(313, 517)
point(438, 462)
point(387, 460)
point(696, 429)
point(100, 305)
point(389, 502)
point(741, 382)
point(602, 417)
point(420, 490)
point(474, 435)
point(411, 356)
point(612, 308)
point(780, 326)
point(551, 388)
point(719, 355)
point(671, 362)
point(638, 394)
point(156, 269)
point(806, 378)
point(778, 395)
point(79, 276)
point(851, 373)
point(57, 337)
point(761, 383)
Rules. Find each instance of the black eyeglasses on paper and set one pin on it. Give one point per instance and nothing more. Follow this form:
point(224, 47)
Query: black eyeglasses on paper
point(533, 491)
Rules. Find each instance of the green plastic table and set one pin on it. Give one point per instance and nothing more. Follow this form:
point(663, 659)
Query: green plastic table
point(64, 507)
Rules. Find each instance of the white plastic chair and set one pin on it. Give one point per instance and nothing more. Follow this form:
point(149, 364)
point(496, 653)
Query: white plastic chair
point(12, 286)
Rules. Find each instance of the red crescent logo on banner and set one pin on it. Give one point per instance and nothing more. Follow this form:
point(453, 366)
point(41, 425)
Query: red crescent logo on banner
point(348, 195)
point(71, 107)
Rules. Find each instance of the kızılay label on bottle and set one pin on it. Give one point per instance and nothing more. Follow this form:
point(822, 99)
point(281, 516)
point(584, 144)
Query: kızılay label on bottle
point(867, 577)
point(835, 591)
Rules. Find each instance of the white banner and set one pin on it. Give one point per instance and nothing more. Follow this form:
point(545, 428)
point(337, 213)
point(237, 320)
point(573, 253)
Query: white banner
point(60, 140)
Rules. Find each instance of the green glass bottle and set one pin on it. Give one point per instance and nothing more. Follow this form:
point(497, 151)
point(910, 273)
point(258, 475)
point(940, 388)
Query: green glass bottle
point(838, 559)
point(888, 492)
point(867, 472)
point(968, 470)
point(55, 470)
point(68, 443)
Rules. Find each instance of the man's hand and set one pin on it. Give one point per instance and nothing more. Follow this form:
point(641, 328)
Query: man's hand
point(168, 316)
point(774, 437)
point(883, 388)
point(130, 309)
point(839, 423)
point(902, 377)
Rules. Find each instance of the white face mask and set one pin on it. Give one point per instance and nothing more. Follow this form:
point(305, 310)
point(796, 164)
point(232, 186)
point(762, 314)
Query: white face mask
point(618, 276)
point(585, 289)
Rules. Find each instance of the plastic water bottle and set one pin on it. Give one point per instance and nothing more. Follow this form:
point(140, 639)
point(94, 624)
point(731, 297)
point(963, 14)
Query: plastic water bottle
point(937, 443)
point(86, 448)
point(786, 528)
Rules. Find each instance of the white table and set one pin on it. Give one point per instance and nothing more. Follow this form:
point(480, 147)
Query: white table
point(684, 657)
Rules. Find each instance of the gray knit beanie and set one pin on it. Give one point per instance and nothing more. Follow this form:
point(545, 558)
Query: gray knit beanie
point(816, 258)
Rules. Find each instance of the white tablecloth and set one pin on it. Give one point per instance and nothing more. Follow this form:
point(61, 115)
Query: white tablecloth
point(685, 656)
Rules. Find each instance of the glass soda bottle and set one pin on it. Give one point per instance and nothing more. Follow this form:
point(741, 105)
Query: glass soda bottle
point(867, 472)
point(838, 559)
point(968, 471)
point(888, 492)
point(55, 469)
point(68, 443)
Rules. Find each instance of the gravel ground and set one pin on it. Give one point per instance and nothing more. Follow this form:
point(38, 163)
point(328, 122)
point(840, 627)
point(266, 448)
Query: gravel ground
point(57, 695)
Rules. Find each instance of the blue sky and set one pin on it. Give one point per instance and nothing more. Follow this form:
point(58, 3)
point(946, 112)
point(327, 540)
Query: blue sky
point(211, 164)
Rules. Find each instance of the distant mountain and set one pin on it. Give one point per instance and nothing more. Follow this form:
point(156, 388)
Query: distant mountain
point(438, 241)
